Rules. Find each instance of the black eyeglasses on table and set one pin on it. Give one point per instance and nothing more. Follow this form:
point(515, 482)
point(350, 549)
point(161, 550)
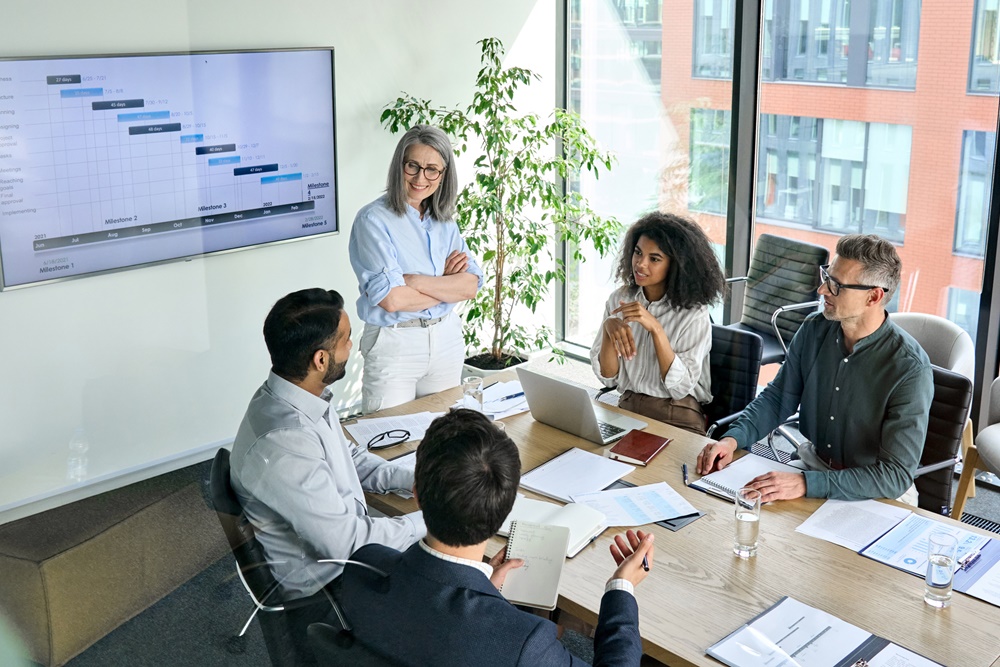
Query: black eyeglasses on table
point(396, 436)
point(835, 286)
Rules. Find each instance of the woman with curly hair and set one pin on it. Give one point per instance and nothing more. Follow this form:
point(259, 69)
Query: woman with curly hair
point(656, 335)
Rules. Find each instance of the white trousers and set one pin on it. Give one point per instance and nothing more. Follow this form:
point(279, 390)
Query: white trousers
point(404, 364)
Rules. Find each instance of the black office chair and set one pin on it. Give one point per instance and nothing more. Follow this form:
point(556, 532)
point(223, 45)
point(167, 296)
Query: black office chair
point(949, 411)
point(253, 570)
point(735, 365)
point(780, 291)
point(334, 648)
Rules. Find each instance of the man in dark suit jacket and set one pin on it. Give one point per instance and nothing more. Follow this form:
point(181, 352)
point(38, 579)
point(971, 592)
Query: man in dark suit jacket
point(439, 603)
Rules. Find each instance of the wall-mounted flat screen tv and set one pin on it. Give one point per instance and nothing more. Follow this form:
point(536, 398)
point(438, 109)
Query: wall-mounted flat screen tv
point(121, 161)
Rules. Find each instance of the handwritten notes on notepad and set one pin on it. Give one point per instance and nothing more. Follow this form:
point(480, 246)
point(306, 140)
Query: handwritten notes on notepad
point(543, 548)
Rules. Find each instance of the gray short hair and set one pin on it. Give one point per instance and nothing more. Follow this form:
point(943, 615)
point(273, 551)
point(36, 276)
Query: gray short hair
point(441, 204)
point(879, 260)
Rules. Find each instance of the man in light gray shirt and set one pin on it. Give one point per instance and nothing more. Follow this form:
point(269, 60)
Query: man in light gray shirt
point(300, 480)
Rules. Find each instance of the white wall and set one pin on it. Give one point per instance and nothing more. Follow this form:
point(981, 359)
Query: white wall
point(157, 364)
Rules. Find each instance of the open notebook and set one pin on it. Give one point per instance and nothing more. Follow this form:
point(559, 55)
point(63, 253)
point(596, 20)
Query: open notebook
point(726, 482)
point(543, 548)
point(584, 523)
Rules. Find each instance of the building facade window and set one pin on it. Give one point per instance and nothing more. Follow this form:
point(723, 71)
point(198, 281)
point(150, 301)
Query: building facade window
point(708, 185)
point(864, 169)
point(963, 309)
point(974, 179)
point(984, 68)
point(860, 43)
point(713, 39)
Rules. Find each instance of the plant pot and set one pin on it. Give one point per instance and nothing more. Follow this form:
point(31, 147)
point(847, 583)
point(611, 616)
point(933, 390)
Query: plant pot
point(483, 365)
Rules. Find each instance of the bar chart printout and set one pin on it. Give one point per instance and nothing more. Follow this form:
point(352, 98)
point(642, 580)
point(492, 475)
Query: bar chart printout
point(107, 163)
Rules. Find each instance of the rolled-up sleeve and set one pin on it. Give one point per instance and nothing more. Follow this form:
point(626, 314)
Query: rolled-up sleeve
point(374, 258)
point(691, 344)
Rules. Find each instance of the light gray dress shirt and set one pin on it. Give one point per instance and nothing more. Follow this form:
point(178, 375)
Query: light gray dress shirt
point(690, 333)
point(302, 486)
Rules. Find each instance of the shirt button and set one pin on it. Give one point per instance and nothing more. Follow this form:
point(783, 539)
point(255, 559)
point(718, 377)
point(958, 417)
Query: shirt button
point(829, 446)
point(831, 417)
point(837, 388)
point(845, 361)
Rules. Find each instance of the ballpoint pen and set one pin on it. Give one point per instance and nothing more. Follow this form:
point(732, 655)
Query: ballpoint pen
point(645, 564)
point(506, 398)
point(684, 470)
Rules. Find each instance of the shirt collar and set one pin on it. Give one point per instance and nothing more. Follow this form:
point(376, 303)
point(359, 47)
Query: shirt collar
point(309, 404)
point(872, 338)
point(482, 567)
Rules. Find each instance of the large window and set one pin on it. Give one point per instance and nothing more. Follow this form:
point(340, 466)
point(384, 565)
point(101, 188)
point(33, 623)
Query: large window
point(856, 145)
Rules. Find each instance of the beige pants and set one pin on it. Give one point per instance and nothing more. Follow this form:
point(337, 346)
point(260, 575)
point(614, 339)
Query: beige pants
point(683, 413)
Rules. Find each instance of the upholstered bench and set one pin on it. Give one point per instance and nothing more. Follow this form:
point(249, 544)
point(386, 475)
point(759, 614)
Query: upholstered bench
point(71, 575)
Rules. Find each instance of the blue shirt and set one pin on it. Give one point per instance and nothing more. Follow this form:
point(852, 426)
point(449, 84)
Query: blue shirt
point(384, 246)
point(865, 411)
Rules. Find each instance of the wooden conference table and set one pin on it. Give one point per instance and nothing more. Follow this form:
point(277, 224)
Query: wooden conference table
point(698, 592)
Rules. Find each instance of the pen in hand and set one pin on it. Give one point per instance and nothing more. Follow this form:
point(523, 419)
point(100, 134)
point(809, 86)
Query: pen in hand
point(684, 470)
point(645, 564)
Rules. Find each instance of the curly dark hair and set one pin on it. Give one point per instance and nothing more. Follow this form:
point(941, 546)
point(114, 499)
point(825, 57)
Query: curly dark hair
point(694, 277)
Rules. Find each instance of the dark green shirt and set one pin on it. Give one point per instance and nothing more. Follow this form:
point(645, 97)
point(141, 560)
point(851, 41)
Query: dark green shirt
point(865, 412)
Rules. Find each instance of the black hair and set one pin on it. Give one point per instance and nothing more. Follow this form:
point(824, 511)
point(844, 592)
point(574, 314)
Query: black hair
point(694, 277)
point(466, 477)
point(298, 325)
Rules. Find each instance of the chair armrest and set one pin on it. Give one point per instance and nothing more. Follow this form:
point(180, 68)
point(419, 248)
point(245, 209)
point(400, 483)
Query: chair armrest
point(738, 279)
point(940, 465)
point(722, 422)
point(782, 309)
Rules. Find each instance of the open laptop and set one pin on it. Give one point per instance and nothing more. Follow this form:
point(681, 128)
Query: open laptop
point(568, 407)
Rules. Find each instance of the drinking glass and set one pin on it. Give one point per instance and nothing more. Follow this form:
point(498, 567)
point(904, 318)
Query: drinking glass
point(472, 393)
point(941, 551)
point(747, 522)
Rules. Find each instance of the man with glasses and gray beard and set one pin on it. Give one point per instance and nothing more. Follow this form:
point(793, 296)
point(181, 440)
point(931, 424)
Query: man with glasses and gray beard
point(862, 386)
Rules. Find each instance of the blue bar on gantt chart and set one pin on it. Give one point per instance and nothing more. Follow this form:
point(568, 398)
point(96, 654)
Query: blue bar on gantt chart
point(280, 179)
point(82, 92)
point(216, 161)
point(143, 115)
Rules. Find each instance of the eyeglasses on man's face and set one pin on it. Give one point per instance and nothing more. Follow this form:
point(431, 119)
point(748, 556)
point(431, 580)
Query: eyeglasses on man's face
point(835, 286)
point(431, 173)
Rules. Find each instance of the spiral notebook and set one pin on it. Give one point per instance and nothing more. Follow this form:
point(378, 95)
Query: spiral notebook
point(726, 482)
point(543, 548)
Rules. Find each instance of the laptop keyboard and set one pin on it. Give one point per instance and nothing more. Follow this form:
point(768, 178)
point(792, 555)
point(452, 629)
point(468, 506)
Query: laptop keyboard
point(609, 430)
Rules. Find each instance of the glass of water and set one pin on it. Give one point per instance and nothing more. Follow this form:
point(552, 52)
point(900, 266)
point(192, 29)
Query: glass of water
point(472, 393)
point(941, 552)
point(747, 522)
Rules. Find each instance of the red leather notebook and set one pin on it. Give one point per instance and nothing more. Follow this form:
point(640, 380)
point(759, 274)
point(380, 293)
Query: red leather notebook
point(638, 447)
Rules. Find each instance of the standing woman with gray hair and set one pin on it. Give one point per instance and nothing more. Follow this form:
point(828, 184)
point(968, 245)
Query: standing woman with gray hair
point(413, 267)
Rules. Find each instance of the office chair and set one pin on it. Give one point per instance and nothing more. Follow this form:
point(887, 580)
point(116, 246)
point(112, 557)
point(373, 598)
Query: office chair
point(780, 289)
point(253, 570)
point(983, 455)
point(948, 413)
point(735, 366)
point(948, 346)
point(333, 647)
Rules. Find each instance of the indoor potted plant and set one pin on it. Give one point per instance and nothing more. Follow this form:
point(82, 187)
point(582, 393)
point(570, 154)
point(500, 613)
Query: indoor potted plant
point(519, 203)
